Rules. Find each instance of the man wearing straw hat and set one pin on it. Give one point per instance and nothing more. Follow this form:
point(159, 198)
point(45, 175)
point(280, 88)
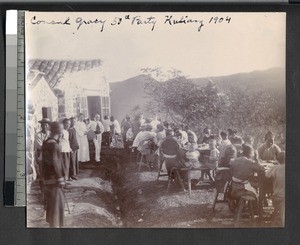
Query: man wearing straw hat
point(39, 139)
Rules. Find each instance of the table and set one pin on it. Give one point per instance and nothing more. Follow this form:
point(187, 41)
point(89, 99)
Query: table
point(204, 156)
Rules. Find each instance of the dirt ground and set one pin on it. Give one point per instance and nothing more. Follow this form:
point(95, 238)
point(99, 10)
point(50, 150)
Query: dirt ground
point(104, 196)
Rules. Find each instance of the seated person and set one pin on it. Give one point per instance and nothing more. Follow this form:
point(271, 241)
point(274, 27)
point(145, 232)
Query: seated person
point(234, 138)
point(224, 143)
point(161, 134)
point(223, 173)
point(145, 134)
point(128, 139)
point(193, 157)
point(178, 136)
point(277, 173)
point(211, 164)
point(230, 153)
point(268, 151)
point(242, 170)
point(169, 150)
point(250, 141)
point(184, 135)
point(192, 137)
point(207, 134)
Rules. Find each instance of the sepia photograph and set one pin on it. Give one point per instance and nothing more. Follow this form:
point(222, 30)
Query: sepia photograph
point(155, 119)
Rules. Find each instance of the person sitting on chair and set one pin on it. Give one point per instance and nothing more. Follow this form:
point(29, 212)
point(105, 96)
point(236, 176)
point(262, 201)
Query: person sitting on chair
point(242, 170)
point(206, 137)
point(234, 138)
point(224, 143)
point(211, 164)
point(144, 135)
point(268, 151)
point(223, 173)
point(193, 157)
point(170, 149)
point(277, 173)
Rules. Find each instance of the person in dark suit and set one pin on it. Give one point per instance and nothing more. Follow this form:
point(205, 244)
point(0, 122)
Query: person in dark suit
point(53, 174)
point(74, 164)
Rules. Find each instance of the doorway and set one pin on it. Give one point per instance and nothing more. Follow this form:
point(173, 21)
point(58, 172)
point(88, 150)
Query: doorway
point(94, 106)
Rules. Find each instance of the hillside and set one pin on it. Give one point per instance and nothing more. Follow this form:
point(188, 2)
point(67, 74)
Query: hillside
point(129, 93)
point(271, 80)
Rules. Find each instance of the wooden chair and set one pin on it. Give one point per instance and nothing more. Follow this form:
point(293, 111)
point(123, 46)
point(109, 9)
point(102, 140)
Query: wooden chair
point(160, 164)
point(243, 201)
point(189, 179)
point(175, 171)
point(143, 162)
point(222, 185)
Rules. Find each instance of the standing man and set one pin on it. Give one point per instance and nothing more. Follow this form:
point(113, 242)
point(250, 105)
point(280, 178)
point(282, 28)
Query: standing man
point(126, 124)
point(106, 134)
point(98, 129)
point(39, 139)
point(74, 165)
point(53, 177)
point(65, 148)
point(115, 126)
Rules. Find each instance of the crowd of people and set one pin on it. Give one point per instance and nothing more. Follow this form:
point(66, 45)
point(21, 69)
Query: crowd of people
point(61, 146)
point(223, 157)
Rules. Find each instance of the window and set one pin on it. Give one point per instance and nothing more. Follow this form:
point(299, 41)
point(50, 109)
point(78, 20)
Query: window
point(105, 112)
point(83, 106)
point(105, 102)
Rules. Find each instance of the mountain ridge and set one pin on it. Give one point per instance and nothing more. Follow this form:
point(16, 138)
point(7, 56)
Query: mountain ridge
point(127, 94)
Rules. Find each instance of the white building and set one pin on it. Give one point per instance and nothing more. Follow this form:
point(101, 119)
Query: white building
point(41, 96)
point(85, 92)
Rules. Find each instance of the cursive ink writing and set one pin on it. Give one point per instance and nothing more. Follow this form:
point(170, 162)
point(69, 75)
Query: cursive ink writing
point(183, 20)
point(35, 21)
point(80, 22)
point(138, 21)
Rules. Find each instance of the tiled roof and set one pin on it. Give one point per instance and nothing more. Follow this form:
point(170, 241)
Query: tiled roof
point(54, 69)
point(34, 78)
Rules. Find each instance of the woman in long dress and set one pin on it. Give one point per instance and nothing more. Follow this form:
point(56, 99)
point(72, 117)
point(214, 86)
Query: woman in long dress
point(81, 131)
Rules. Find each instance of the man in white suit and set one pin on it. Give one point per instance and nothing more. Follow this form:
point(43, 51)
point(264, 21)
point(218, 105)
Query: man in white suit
point(98, 129)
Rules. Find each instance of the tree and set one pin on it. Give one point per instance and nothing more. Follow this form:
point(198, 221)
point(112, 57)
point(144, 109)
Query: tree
point(180, 98)
point(253, 113)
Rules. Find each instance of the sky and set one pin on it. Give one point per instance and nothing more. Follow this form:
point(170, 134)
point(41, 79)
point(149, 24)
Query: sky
point(250, 41)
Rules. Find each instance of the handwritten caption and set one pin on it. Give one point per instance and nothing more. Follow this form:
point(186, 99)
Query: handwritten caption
point(134, 20)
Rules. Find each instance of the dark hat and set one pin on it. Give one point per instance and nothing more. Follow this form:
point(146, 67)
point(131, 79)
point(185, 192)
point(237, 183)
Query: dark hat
point(55, 127)
point(45, 120)
point(72, 118)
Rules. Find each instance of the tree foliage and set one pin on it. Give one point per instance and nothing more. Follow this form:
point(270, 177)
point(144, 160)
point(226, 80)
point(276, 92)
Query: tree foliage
point(181, 99)
point(178, 98)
